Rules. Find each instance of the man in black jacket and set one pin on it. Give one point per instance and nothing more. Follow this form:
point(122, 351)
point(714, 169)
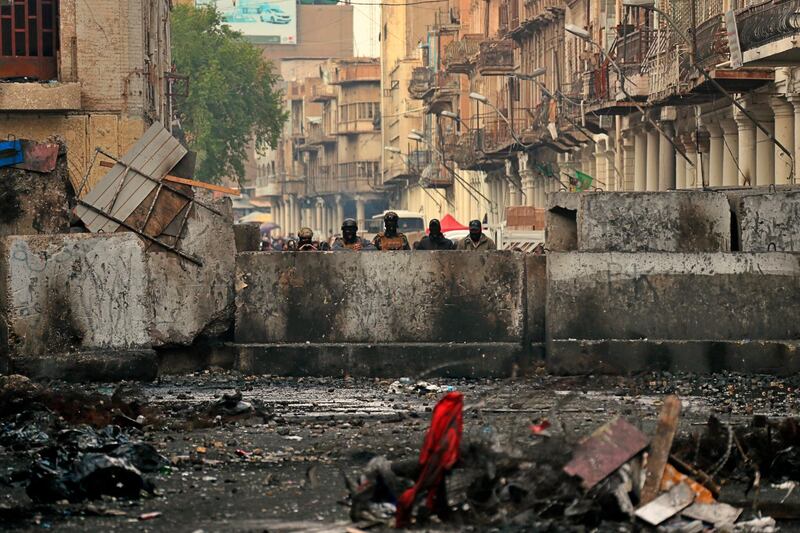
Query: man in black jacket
point(435, 240)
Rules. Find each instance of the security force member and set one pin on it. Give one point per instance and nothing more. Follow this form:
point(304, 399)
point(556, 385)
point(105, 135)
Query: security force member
point(390, 239)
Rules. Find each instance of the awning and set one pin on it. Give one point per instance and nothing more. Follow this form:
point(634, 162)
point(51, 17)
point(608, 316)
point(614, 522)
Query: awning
point(451, 224)
point(256, 216)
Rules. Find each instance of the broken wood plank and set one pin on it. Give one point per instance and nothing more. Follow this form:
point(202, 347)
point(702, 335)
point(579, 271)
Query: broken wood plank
point(193, 183)
point(604, 451)
point(168, 205)
point(660, 447)
point(717, 514)
point(153, 155)
point(667, 505)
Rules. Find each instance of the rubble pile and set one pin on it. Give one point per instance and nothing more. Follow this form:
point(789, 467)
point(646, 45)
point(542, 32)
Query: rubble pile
point(617, 478)
point(81, 446)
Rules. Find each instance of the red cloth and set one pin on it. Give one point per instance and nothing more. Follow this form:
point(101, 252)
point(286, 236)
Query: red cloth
point(439, 454)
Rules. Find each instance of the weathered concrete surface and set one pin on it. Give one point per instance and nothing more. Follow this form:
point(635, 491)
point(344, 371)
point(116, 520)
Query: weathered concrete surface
point(769, 221)
point(72, 293)
point(391, 297)
point(40, 96)
point(561, 223)
point(384, 360)
point(697, 356)
point(674, 221)
point(735, 296)
point(248, 237)
point(115, 365)
point(536, 297)
point(32, 203)
point(191, 301)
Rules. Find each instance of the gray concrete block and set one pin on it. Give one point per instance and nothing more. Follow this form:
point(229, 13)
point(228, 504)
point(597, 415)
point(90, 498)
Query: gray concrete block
point(380, 297)
point(102, 366)
point(419, 360)
point(769, 222)
point(248, 237)
point(621, 357)
point(73, 292)
point(673, 296)
point(536, 297)
point(674, 221)
point(190, 301)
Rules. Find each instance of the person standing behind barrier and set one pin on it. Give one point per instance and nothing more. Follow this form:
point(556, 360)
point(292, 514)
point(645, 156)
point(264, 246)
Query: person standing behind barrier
point(390, 239)
point(435, 240)
point(476, 240)
point(350, 239)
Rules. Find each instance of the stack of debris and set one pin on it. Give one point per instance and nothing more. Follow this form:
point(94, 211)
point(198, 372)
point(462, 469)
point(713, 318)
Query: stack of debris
point(617, 477)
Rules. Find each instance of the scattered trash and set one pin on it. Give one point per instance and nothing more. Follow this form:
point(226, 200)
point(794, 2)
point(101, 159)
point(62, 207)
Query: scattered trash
point(149, 516)
point(716, 514)
point(608, 448)
point(666, 505)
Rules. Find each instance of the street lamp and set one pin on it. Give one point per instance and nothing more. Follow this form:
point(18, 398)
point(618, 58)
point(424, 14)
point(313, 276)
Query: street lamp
point(393, 149)
point(414, 136)
point(648, 4)
point(479, 97)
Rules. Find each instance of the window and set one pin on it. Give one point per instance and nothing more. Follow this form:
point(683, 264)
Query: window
point(29, 39)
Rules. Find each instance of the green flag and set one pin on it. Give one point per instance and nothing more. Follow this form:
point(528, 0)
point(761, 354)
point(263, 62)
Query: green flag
point(584, 180)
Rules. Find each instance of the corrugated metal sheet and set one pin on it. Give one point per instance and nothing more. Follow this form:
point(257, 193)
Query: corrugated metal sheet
point(154, 154)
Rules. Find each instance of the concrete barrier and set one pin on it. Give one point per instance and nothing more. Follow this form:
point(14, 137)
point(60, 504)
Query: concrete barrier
point(561, 221)
point(389, 314)
point(70, 293)
point(248, 237)
point(767, 221)
point(674, 221)
point(190, 301)
point(651, 305)
point(380, 297)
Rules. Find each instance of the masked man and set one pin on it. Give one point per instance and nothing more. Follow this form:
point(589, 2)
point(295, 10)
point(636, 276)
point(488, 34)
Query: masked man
point(435, 239)
point(305, 242)
point(476, 240)
point(350, 239)
point(390, 239)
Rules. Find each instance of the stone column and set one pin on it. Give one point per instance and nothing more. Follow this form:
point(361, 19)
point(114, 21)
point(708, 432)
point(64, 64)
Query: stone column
point(784, 133)
point(681, 165)
point(540, 186)
point(765, 153)
point(795, 100)
point(692, 173)
point(666, 158)
point(640, 161)
point(528, 186)
point(361, 217)
point(599, 164)
point(339, 213)
point(716, 154)
point(652, 159)
point(730, 151)
point(703, 140)
point(613, 162)
point(292, 222)
point(747, 150)
point(628, 160)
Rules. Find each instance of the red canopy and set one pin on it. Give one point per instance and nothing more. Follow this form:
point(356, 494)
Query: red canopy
point(451, 224)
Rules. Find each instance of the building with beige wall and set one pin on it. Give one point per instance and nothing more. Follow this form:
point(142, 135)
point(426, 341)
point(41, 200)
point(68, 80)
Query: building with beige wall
point(93, 73)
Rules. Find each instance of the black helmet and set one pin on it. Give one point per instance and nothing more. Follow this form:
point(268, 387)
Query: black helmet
point(390, 215)
point(350, 223)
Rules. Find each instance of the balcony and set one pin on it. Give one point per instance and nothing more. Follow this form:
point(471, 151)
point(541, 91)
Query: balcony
point(533, 12)
point(358, 176)
point(417, 161)
point(436, 176)
point(355, 72)
point(322, 93)
point(318, 137)
point(446, 87)
point(459, 56)
point(421, 83)
point(462, 148)
point(496, 136)
point(496, 58)
point(768, 33)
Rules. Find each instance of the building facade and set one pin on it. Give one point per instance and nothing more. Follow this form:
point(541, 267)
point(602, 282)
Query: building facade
point(524, 97)
point(95, 74)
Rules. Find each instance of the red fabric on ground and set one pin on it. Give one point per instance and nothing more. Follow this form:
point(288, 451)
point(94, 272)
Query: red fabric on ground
point(438, 455)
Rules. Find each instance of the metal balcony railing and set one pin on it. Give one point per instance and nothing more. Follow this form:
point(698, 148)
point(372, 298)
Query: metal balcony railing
point(417, 160)
point(346, 73)
point(496, 58)
point(322, 92)
point(537, 9)
point(421, 82)
point(632, 45)
point(712, 42)
point(459, 56)
point(768, 21)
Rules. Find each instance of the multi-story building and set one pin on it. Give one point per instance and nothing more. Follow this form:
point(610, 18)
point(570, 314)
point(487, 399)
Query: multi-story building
point(327, 166)
point(531, 96)
point(93, 73)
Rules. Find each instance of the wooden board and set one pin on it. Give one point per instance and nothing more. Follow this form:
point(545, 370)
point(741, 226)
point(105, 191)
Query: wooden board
point(168, 205)
point(194, 183)
point(660, 447)
point(154, 154)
